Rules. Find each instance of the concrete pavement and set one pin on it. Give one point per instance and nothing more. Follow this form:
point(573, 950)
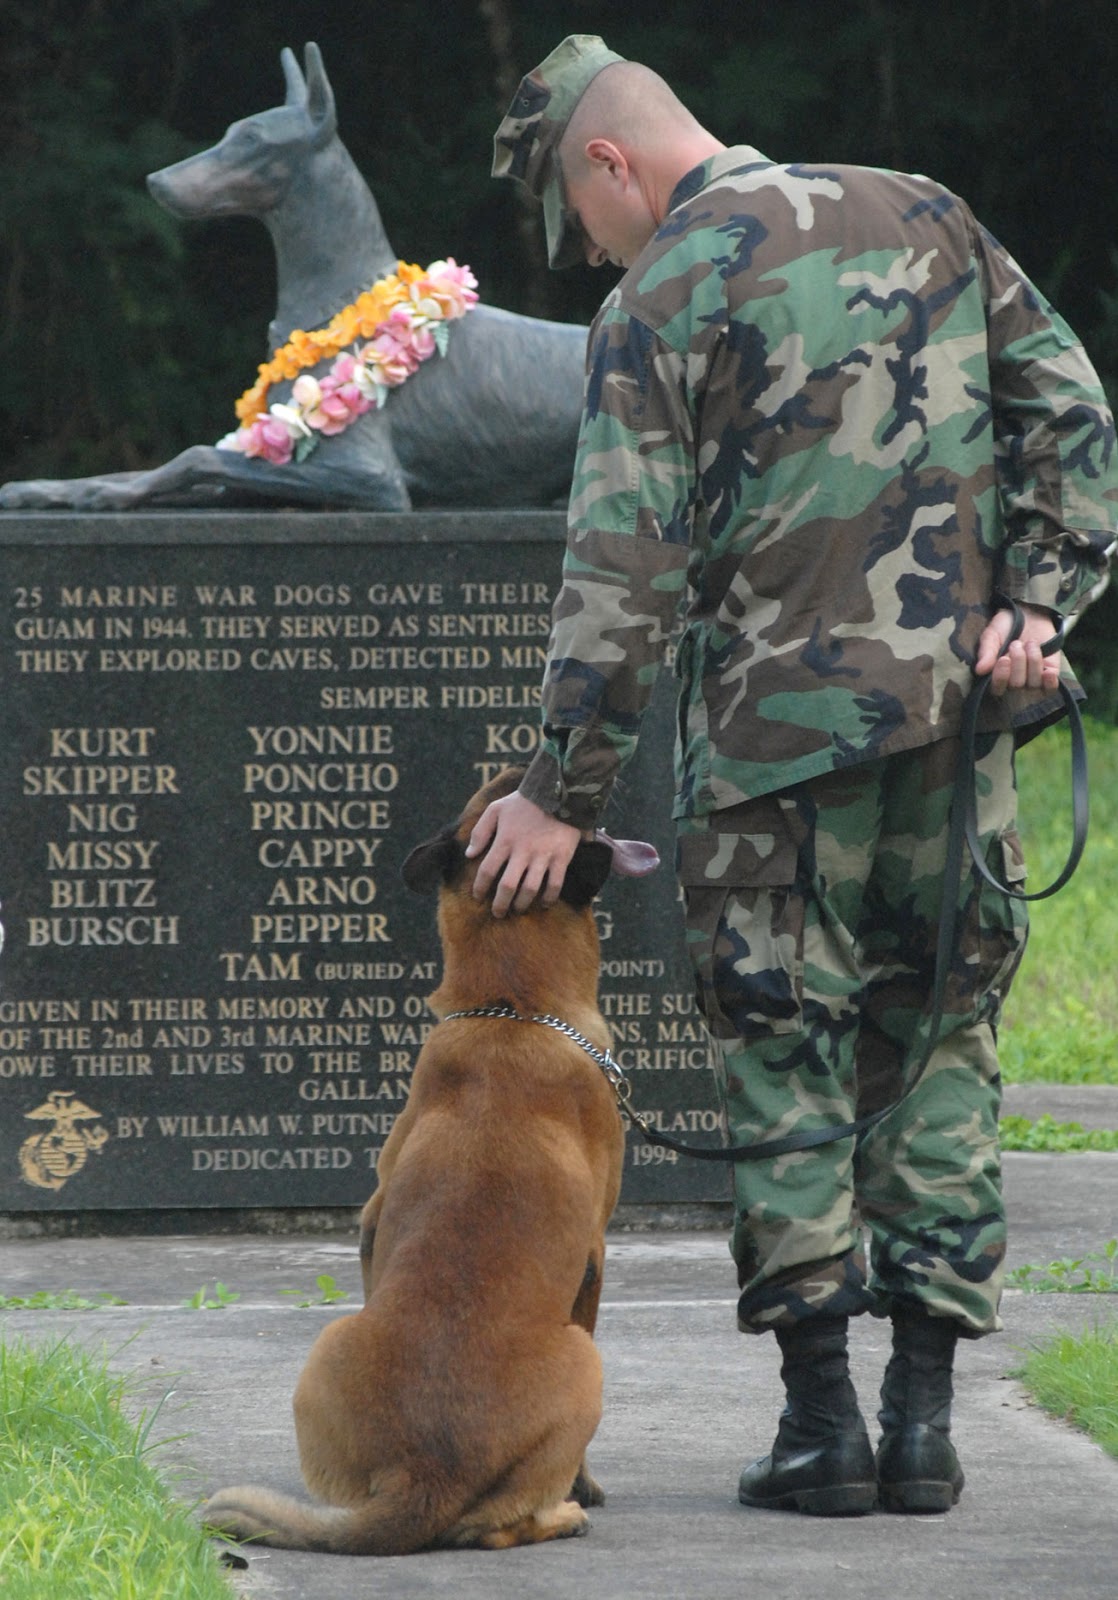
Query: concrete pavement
point(688, 1400)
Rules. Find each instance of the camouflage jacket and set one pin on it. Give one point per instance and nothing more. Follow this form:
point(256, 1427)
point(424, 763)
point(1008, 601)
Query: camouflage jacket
point(828, 406)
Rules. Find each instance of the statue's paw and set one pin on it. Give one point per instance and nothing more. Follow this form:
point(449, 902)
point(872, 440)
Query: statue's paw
point(36, 494)
point(113, 492)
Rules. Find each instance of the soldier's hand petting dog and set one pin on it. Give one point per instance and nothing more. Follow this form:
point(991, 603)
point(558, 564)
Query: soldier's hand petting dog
point(1021, 666)
point(525, 852)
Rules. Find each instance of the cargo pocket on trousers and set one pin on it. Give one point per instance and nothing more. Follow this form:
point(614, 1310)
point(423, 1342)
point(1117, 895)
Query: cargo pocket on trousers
point(745, 925)
point(1003, 921)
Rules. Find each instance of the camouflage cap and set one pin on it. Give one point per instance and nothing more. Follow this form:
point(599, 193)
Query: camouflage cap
point(526, 144)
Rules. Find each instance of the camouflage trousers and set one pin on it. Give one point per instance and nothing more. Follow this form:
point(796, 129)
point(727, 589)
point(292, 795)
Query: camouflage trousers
point(812, 917)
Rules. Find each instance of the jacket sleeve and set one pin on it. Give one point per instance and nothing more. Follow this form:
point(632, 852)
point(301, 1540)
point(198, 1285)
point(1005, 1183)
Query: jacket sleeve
point(1054, 445)
point(628, 546)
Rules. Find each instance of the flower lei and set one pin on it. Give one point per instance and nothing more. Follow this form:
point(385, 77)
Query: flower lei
point(403, 318)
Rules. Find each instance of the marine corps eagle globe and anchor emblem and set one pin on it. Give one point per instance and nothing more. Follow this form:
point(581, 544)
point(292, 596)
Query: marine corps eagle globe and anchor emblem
point(49, 1159)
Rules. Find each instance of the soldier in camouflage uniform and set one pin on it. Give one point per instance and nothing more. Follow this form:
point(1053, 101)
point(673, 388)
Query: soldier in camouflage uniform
point(827, 413)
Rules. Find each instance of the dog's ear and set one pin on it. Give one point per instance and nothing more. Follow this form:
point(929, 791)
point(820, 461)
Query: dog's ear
point(588, 870)
point(434, 863)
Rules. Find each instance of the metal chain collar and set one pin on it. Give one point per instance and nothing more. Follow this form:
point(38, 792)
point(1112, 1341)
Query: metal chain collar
point(615, 1077)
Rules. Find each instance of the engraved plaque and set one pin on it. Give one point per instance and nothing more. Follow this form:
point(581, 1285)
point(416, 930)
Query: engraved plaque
point(222, 734)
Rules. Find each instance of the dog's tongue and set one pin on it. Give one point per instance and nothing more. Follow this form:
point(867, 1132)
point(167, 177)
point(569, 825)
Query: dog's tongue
point(632, 858)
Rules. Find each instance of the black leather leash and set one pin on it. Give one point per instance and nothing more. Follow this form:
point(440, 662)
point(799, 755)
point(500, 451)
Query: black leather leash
point(968, 801)
point(962, 836)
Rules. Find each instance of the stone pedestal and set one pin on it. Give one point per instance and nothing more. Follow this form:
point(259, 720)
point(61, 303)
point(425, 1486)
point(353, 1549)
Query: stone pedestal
point(221, 735)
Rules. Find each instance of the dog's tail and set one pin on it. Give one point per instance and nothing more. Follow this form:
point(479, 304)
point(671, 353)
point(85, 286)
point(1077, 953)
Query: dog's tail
point(388, 1524)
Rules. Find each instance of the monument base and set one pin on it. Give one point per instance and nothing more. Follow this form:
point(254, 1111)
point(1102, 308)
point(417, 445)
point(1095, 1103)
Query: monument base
point(222, 735)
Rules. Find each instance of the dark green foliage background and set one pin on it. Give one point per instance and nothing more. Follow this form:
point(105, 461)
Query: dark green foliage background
point(125, 336)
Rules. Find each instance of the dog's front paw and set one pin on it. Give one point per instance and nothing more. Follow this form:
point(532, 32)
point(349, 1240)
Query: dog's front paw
point(575, 1530)
point(564, 1521)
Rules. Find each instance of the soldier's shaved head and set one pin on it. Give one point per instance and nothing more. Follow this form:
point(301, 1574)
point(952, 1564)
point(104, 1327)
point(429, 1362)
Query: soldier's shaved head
point(634, 108)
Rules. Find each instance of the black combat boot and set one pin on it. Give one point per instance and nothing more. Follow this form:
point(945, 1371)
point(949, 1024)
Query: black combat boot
point(821, 1461)
point(917, 1468)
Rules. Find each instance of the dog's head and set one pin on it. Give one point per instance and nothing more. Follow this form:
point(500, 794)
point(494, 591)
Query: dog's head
point(441, 862)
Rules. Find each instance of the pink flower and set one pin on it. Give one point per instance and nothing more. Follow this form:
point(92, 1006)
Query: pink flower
point(341, 406)
point(346, 368)
point(453, 287)
point(391, 356)
point(409, 327)
point(423, 343)
point(266, 437)
point(330, 406)
point(274, 440)
point(400, 322)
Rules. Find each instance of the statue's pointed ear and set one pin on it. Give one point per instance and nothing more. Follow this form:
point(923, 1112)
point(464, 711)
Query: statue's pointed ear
point(434, 863)
point(319, 97)
point(588, 869)
point(293, 78)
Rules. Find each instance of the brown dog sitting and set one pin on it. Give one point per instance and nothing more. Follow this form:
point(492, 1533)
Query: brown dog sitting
point(456, 1407)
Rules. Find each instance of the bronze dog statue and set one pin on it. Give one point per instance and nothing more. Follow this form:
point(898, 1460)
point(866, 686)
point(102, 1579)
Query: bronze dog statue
point(492, 423)
point(456, 1407)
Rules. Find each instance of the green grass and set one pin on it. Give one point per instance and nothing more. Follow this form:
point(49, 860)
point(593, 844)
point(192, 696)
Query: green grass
point(83, 1515)
point(1094, 1273)
point(326, 1293)
point(1061, 1026)
point(200, 1300)
point(1061, 1017)
point(66, 1300)
point(1075, 1377)
point(1019, 1133)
